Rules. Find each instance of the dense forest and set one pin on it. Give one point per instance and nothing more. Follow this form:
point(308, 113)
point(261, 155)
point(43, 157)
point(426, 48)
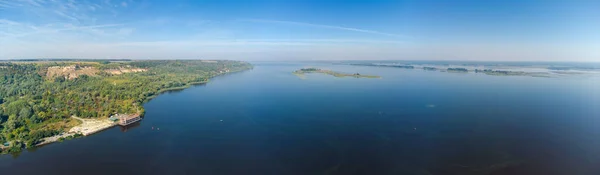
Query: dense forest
point(37, 103)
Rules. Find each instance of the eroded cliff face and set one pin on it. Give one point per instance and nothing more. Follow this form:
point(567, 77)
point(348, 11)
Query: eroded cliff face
point(124, 70)
point(74, 71)
point(70, 72)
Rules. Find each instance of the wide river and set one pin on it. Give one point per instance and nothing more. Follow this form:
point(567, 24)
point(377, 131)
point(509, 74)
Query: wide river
point(267, 121)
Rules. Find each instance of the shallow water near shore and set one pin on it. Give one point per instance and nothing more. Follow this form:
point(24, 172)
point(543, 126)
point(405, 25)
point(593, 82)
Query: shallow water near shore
point(269, 121)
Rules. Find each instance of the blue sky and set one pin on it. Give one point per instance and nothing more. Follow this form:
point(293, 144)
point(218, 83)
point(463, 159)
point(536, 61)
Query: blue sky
point(546, 30)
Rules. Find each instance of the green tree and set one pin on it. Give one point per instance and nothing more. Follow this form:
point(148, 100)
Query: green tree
point(29, 96)
point(11, 123)
point(25, 113)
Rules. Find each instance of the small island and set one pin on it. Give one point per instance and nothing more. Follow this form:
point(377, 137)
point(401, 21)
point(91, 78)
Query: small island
point(300, 73)
point(466, 68)
point(499, 72)
point(430, 68)
point(457, 70)
point(511, 73)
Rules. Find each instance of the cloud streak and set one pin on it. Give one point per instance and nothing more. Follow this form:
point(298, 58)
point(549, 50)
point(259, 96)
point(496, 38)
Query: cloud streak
point(256, 42)
point(50, 30)
point(322, 26)
point(70, 18)
point(8, 4)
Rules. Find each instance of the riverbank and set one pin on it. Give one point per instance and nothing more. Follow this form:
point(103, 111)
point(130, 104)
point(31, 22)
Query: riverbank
point(141, 89)
point(87, 127)
point(173, 89)
point(188, 85)
point(55, 138)
point(92, 126)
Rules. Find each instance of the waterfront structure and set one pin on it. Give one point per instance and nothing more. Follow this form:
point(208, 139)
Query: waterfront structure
point(125, 119)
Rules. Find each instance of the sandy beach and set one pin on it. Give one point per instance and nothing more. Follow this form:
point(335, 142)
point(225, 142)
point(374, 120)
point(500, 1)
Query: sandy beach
point(90, 126)
point(87, 127)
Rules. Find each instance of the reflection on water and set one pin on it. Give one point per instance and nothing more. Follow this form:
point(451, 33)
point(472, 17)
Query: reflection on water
point(175, 91)
point(130, 126)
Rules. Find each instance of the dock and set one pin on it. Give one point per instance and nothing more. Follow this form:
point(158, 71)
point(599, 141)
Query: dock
point(125, 119)
point(91, 126)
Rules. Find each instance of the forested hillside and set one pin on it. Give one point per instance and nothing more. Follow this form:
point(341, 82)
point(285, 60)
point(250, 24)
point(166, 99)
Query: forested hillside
point(36, 103)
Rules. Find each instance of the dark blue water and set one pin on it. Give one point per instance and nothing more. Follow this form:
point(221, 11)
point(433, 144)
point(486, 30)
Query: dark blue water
point(268, 121)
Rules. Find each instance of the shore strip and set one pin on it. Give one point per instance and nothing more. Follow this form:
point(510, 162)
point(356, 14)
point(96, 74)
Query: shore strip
point(87, 127)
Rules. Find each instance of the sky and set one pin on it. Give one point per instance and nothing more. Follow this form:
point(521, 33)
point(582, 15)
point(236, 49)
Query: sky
point(504, 30)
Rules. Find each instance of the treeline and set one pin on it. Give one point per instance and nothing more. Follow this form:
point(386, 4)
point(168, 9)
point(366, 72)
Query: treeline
point(499, 72)
point(429, 68)
point(309, 69)
point(457, 70)
point(33, 106)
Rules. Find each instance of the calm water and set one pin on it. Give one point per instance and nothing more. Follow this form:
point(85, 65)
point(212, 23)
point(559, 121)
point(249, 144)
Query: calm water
point(268, 121)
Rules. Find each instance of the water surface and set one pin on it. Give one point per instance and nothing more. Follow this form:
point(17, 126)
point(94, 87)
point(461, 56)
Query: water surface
point(268, 121)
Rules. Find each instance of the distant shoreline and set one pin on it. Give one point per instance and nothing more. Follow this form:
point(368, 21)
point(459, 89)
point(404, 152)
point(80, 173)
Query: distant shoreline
point(492, 70)
point(300, 73)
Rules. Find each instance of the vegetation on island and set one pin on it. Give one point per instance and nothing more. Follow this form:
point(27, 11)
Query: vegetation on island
point(579, 68)
point(500, 72)
point(557, 70)
point(38, 97)
point(511, 73)
point(303, 71)
point(403, 66)
point(457, 70)
point(429, 68)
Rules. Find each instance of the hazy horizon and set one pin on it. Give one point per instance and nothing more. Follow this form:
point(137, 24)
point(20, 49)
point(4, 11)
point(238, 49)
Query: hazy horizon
point(542, 62)
point(557, 31)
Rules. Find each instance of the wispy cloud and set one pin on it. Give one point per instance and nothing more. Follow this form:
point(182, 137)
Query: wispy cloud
point(8, 22)
point(255, 42)
point(125, 31)
point(33, 2)
point(44, 29)
point(129, 29)
point(49, 10)
point(8, 4)
point(70, 18)
point(64, 15)
point(322, 26)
